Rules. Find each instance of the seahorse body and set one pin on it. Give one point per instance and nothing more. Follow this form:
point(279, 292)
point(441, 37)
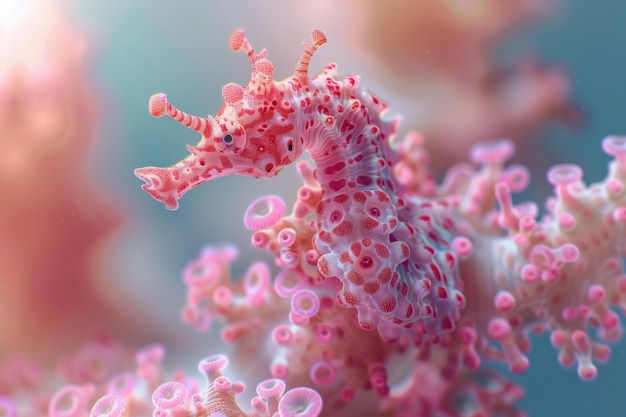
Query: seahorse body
point(392, 251)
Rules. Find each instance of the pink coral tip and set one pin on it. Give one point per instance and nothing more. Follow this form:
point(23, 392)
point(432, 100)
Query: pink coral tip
point(212, 364)
point(271, 388)
point(300, 402)
point(323, 373)
point(169, 395)
point(305, 303)
point(157, 105)
point(564, 174)
point(492, 153)
point(264, 212)
point(69, 401)
point(122, 384)
point(111, 405)
point(282, 335)
point(614, 145)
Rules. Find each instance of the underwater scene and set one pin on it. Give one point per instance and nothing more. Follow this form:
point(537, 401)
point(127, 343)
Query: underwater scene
point(312, 208)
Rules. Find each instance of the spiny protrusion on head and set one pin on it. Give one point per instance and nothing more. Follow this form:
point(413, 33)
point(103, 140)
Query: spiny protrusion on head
point(159, 106)
point(238, 42)
point(232, 93)
point(302, 67)
point(264, 66)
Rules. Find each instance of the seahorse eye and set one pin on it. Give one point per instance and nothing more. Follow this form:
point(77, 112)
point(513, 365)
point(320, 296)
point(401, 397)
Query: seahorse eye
point(290, 145)
point(228, 139)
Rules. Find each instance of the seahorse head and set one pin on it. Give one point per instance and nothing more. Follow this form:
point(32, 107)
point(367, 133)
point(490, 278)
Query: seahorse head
point(254, 133)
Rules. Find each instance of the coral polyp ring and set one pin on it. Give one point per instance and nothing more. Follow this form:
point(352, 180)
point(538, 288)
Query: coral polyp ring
point(564, 174)
point(111, 405)
point(169, 395)
point(264, 212)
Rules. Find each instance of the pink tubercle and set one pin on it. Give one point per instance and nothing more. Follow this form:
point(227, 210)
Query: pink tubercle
point(264, 212)
point(110, 405)
point(305, 303)
point(596, 293)
point(564, 174)
point(346, 394)
point(566, 221)
point(530, 273)
point(287, 237)
point(517, 177)
point(69, 401)
point(222, 296)
point(323, 373)
point(500, 330)
point(122, 384)
point(199, 318)
point(201, 273)
point(492, 153)
point(377, 375)
point(324, 333)
point(279, 370)
point(288, 282)
point(504, 301)
point(149, 360)
point(312, 256)
point(271, 388)
point(222, 383)
point(282, 335)
point(300, 402)
point(259, 239)
point(615, 146)
point(257, 280)
point(462, 246)
point(619, 214)
point(582, 344)
point(289, 259)
point(169, 395)
point(213, 365)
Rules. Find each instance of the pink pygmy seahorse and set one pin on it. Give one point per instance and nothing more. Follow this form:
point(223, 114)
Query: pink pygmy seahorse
point(393, 252)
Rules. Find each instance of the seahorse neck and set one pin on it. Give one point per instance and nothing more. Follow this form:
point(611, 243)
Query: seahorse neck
point(345, 131)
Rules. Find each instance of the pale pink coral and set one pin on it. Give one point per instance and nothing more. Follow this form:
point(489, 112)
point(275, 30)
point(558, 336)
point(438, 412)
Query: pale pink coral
point(139, 387)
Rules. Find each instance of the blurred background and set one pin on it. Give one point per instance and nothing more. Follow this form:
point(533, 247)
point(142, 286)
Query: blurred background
point(549, 74)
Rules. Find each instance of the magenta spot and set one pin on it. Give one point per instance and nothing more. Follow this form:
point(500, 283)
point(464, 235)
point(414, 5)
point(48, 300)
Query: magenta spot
point(364, 180)
point(335, 168)
point(337, 185)
point(346, 125)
